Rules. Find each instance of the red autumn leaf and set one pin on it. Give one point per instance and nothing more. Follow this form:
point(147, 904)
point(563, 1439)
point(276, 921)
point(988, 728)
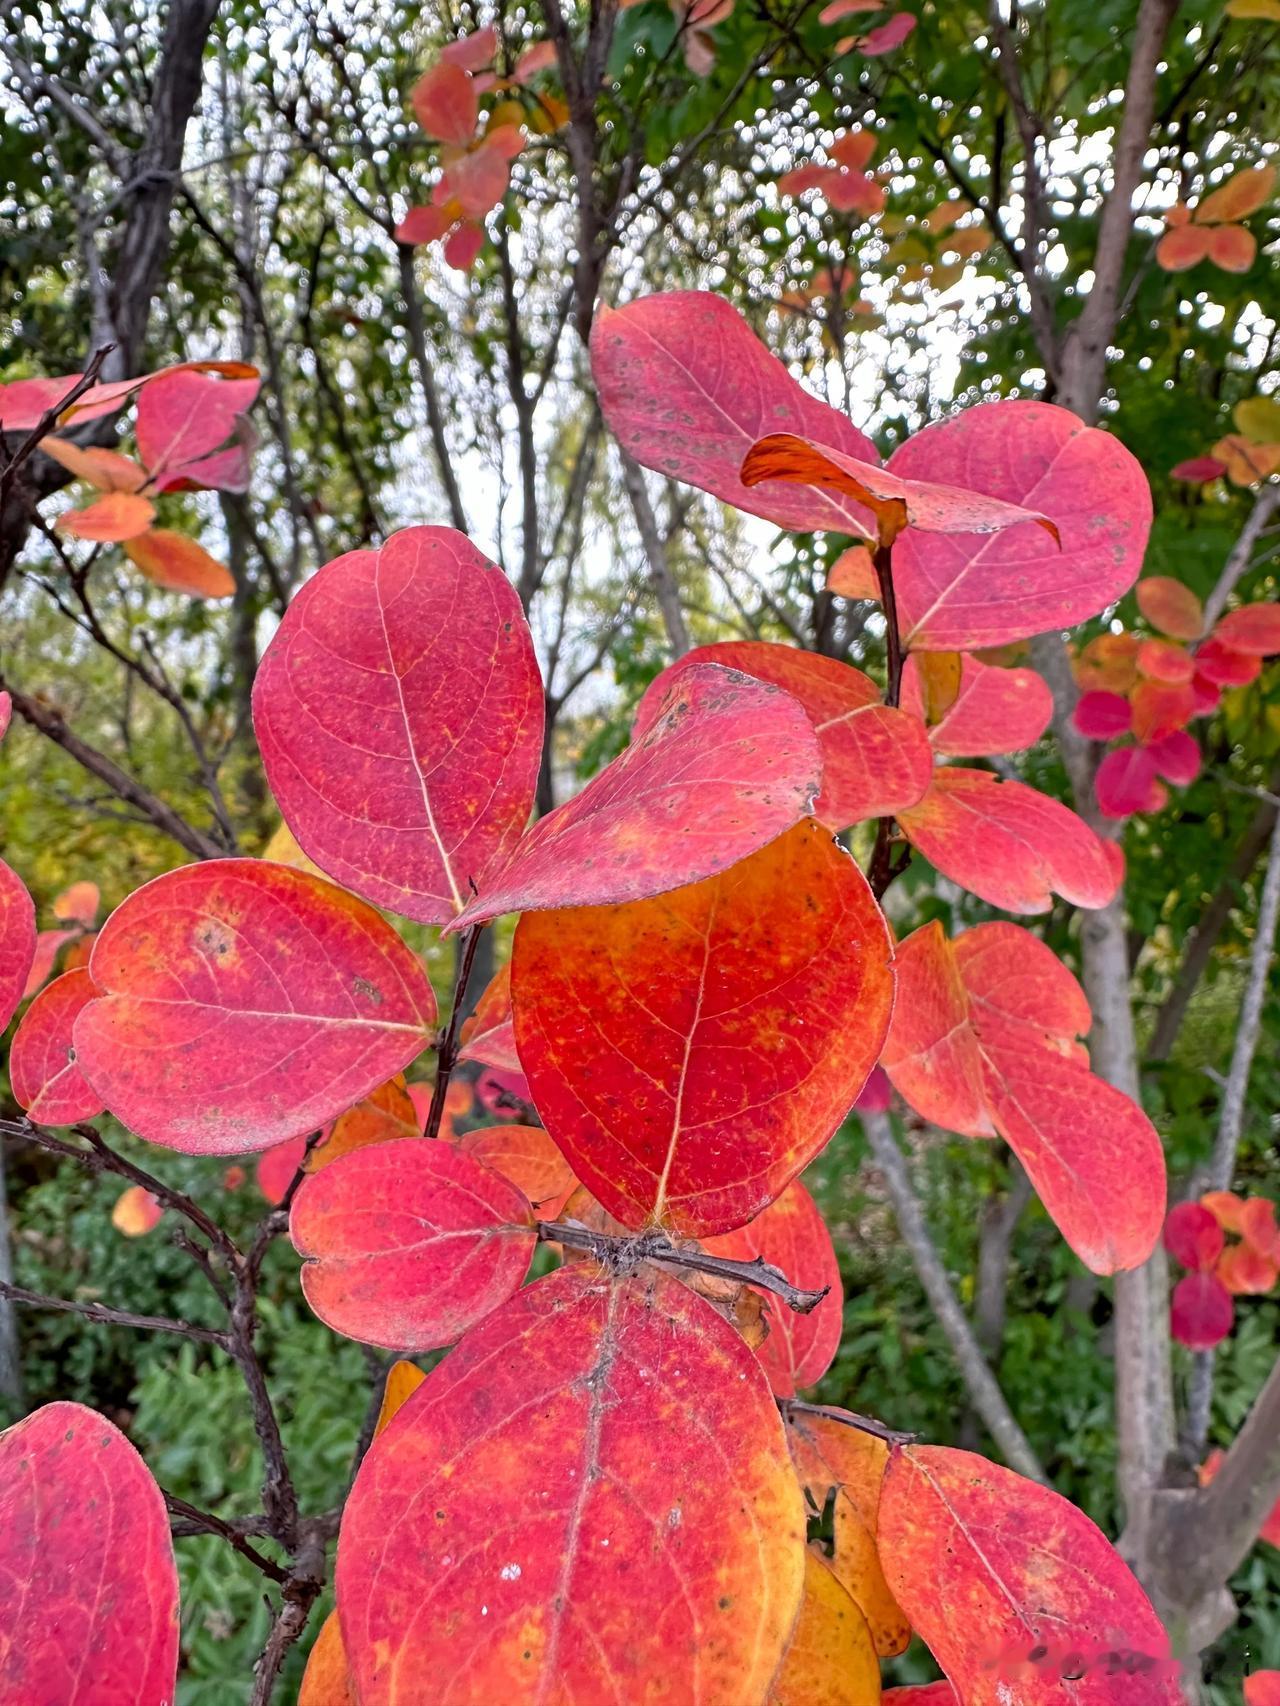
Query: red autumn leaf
point(1183, 247)
point(444, 101)
point(547, 1489)
point(409, 1245)
point(399, 713)
point(1102, 715)
point(793, 1236)
point(1258, 1224)
point(1014, 1590)
point(1192, 1236)
point(526, 1155)
point(959, 593)
point(837, 9)
point(853, 574)
point(1208, 695)
point(1160, 708)
point(1168, 605)
point(687, 388)
point(1253, 629)
point(48, 945)
point(875, 759)
point(478, 180)
point(276, 1168)
point(1176, 758)
point(196, 1043)
point(983, 1043)
point(725, 765)
point(24, 403)
point(78, 904)
point(540, 57)
point(876, 1095)
point(91, 1610)
point(691, 1054)
point(110, 519)
point(830, 1660)
point(1221, 665)
point(1262, 1688)
point(183, 416)
point(1198, 470)
point(474, 52)
point(1246, 1272)
point(463, 247)
point(180, 564)
point(136, 1212)
point(489, 1034)
point(17, 942)
point(1010, 845)
point(1232, 248)
point(1201, 1312)
point(42, 1067)
point(993, 710)
point(424, 225)
point(885, 37)
point(234, 1177)
point(1163, 660)
point(1126, 782)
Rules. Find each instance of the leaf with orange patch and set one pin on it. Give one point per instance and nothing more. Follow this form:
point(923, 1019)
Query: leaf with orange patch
point(1242, 194)
point(110, 519)
point(77, 904)
point(179, 564)
point(327, 1679)
point(1183, 247)
point(196, 1043)
point(993, 1569)
point(91, 1598)
point(991, 710)
point(1160, 708)
point(45, 1078)
point(526, 1155)
point(547, 1488)
point(853, 575)
point(691, 1054)
point(136, 1212)
point(831, 1660)
point(383, 1116)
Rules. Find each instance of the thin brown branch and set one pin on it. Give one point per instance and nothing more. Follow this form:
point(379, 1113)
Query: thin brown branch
point(49, 419)
point(103, 1315)
point(447, 1053)
point(196, 1521)
point(848, 1419)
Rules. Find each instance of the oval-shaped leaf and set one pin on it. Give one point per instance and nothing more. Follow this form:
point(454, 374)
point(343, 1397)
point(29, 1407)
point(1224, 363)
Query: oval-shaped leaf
point(43, 1072)
point(831, 1660)
point(1242, 194)
point(526, 1155)
point(109, 519)
point(91, 1589)
point(1100, 715)
point(184, 415)
point(489, 1034)
point(399, 712)
point(992, 710)
point(136, 1212)
point(407, 1245)
point(198, 1042)
point(17, 942)
point(1170, 606)
point(1253, 629)
point(180, 564)
point(691, 1054)
point(545, 1497)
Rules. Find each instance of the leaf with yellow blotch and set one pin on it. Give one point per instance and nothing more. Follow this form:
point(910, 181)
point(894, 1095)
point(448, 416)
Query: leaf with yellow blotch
point(196, 1044)
point(1014, 1590)
point(403, 1380)
point(179, 564)
point(547, 1488)
point(691, 1054)
point(976, 710)
point(831, 1456)
point(831, 1660)
point(409, 1246)
point(136, 1212)
point(526, 1155)
point(327, 1678)
point(110, 519)
point(43, 1073)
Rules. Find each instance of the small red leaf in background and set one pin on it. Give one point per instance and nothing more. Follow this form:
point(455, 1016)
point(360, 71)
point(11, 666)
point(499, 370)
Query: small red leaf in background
point(885, 37)
point(526, 1156)
point(1253, 629)
point(42, 1065)
point(1160, 708)
point(1232, 248)
point(408, 1245)
point(546, 1491)
point(474, 52)
point(959, 593)
point(92, 1589)
point(1163, 660)
point(136, 1212)
point(445, 104)
point(1262, 1688)
point(830, 1660)
point(875, 759)
point(853, 575)
point(179, 564)
point(1208, 695)
point(1102, 716)
point(110, 519)
point(1245, 1272)
point(49, 944)
point(793, 1236)
point(1108, 663)
point(1258, 1224)
point(1270, 1530)
point(1224, 667)
point(1182, 248)
point(993, 710)
point(399, 710)
point(993, 1569)
point(540, 57)
point(489, 1034)
point(1176, 758)
point(277, 1166)
point(691, 1054)
point(234, 1177)
point(77, 904)
point(463, 247)
point(876, 1095)
point(196, 1044)
point(1201, 1312)
point(1192, 1236)
point(1126, 782)
point(1198, 471)
point(17, 942)
point(1242, 194)
point(724, 766)
point(1010, 845)
point(1167, 604)
point(687, 388)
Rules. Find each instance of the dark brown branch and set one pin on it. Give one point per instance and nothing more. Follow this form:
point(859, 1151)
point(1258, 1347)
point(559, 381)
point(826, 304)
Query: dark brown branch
point(848, 1419)
point(447, 1054)
point(204, 1522)
point(105, 1316)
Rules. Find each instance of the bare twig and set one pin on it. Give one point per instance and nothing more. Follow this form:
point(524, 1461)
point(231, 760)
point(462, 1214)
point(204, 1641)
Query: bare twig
point(105, 1316)
point(847, 1418)
point(204, 1522)
point(447, 1054)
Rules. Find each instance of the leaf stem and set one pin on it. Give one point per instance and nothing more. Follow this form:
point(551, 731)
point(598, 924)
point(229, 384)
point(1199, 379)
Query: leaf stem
point(447, 1054)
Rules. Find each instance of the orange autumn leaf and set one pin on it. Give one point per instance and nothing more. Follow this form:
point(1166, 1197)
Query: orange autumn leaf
point(381, 1117)
point(111, 519)
point(403, 1380)
point(853, 574)
point(179, 564)
point(135, 1212)
point(1242, 194)
point(1170, 607)
point(108, 470)
point(327, 1678)
point(526, 1156)
point(77, 904)
point(831, 1660)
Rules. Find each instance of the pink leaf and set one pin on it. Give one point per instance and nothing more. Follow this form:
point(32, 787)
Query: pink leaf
point(1102, 716)
point(1176, 758)
point(17, 942)
point(885, 37)
point(1199, 470)
point(1201, 1312)
point(1126, 783)
point(994, 710)
point(42, 1064)
point(1253, 629)
point(1193, 1237)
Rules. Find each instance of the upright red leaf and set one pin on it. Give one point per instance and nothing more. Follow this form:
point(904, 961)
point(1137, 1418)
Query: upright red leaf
point(959, 593)
point(43, 1072)
point(444, 100)
point(545, 1491)
point(726, 765)
point(691, 1054)
point(407, 1245)
point(1015, 1592)
point(875, 759)
point(993, 710)
point(90, 1586)
point(199, 1043)
point(399, 712)
point(1201, 1313)
point(17, 941)
point(687, 388)
point(182, 416)
point(1193, 1236)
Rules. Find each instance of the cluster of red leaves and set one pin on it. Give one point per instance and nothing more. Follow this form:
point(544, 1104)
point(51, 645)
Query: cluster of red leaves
point(1151, 687)
point(1212, 230)
point(1202, 1311)
point(845, 183)
point(881, 38)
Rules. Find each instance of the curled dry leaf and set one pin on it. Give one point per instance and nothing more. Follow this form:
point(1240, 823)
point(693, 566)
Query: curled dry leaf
point(43, 1073)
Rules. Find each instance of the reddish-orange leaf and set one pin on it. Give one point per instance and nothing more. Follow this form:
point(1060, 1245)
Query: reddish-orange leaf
point(1262, 1688)
point(399, 711)
point(1242, 194)
point(540, 57)
point(182, 416)
point(725, 765)
point(382, 1117)
point(136, 1212)
point(77, 904)
point(327, 1680)
point(474, 52)
point(1221, 666)
point(691, 1054)
point(1183, 247)
point(24, 403)
point(108, 470)
point(831, 1660)
point(109, 519)
point(1253, 630)
point(1170, 607)
point(408, 1245)
point(875, 759)
point(1015, 1592)
point(1245, 461)
point(276, 1167)
point(403, 1380)
point(198, 1043)
point(956, 593)
point(1246, 1272)
point(42, 1066)
point(91, 1590)
point(180, 564)
point(1160, 708)
point(983, 1043)
point(1258, 1223)
point(1226, 1208)
point(853, 574)
point(1232, 248)
point(489, 1034)
point(992, 710)
point(528, 1157)
point(687, 388)
point(793, 1236)
point(48, 945)
point(444, 100)
point(1108, 664)
point(17, 943)
point(1165, 661)
point(546, 1494)
point(833, 1456)
point(1010, 845)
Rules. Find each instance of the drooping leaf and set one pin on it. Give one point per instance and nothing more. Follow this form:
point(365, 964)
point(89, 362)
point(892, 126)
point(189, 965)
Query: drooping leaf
point(991, 710)
point(17, 942)
point(961, 592)
point(399, 712)
point(546, 1492)
point(410, 1244)
point(180, 564)
point(526, 1155)
point(1253, 629)
point(992, 1568)
point(687, 388)
point(831, 1660)
point(691, 1054)
point(1201, 1313)
point(1170, 607)
point(136, 1212)
point(875, 759)
point(109, 519)
point(108, 470)
point(1009, 844)
point(91, 1590)
point(196, 1042)
point(726, 764)
point(45, 1078)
